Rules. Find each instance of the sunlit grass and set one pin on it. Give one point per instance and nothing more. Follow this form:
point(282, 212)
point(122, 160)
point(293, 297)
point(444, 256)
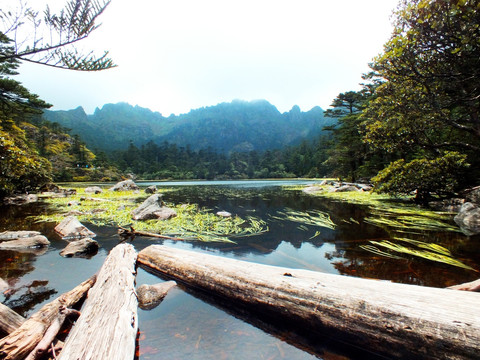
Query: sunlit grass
point(111, 208)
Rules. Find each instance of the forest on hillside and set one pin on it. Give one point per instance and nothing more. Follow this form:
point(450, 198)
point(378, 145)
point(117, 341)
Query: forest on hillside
point(413, 127)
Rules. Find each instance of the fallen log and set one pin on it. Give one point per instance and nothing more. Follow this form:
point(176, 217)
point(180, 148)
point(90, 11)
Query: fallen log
point(108, 325)
point(23, 340)
point(9, 319)
point(132, 233)
point(393, 320)
point(51, 333)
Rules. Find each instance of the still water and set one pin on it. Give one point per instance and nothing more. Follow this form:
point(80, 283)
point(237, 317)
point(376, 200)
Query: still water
point(190, 325)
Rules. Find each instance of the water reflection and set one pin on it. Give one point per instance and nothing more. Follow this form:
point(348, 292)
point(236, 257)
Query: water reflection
point(189, 325)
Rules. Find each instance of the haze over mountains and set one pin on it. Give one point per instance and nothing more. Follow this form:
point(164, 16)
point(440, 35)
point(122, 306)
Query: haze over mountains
point(235, 126)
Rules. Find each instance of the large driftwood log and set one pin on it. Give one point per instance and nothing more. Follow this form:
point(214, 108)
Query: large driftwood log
point(396, 320)
point(9, 319)
point(108, 325)
point(23, 340)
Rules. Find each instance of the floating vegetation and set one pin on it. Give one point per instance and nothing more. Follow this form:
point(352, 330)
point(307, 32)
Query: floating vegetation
point(429, 251)
point(114, 209)
point(388, 212)
point(310, 217)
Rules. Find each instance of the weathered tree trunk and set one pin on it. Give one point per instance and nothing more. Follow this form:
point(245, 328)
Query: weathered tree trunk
point(108, 325)
point(9, 319)
point(396, 320)
point(51, 333)
point(23, 340)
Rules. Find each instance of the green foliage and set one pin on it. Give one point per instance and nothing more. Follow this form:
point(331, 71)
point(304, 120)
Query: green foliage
point(424, 176)
point(431, 65)
point(238, 126)
point(21, 168)
point(191, 222)
point(49, 39)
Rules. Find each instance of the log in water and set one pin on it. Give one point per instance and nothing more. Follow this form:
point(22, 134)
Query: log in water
point(23, 340)
point(108, 325)
point(396, 320)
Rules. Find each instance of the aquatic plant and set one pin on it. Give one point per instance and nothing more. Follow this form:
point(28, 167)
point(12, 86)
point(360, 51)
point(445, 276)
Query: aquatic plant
point(397, 213)
point(429, 251)
point(309, 217)
point(191, 223)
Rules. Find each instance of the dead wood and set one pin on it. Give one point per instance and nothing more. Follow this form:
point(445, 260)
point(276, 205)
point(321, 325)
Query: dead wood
point(47, 341)
point(124, 232)
point(9, 319)
point(107, 328)
point(395, 320)
point(23, 340)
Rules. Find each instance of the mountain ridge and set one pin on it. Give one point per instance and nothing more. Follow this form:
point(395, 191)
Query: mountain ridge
point(229, 126)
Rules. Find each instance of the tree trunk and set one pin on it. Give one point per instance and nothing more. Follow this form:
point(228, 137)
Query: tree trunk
point(9, 319)
point(23, 340)
point(394, 320)
point(108, 325)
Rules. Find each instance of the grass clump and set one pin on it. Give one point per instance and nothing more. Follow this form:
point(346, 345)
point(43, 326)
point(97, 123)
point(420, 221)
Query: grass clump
point(111, 208)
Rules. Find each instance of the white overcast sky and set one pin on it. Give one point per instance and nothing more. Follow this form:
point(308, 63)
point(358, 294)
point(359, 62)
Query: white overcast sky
point(177, 55)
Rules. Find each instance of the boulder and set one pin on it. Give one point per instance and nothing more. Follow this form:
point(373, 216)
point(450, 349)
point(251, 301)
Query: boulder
point(80, 248)
point(345, 188)
point(151, 189)
point(468, 219)
point(153, 208)
point(224, 214)
point(473, 195)
point(21, 199)
point(93, 190)
point(70, 227)
point(150, 296)
point(37, 241)
point(448, 205)
point(125, 185)
point(311, 189)
point(14, 235)
point(49, 187)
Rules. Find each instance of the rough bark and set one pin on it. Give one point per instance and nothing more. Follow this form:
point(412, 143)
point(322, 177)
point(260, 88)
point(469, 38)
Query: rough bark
point(23, 340)
point(108, 325)
point(9, 319)
point(51, 333)
point(396, 320)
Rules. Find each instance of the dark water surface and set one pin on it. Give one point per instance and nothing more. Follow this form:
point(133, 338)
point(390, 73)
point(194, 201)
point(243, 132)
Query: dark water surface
point(189, 325)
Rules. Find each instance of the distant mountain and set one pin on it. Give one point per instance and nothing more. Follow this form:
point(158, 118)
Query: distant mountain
point(235, 126)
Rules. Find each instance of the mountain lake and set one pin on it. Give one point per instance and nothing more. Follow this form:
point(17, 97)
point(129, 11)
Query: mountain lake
point(299, 231)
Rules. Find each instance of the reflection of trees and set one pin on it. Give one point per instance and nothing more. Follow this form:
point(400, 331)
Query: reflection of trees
point(351, 232)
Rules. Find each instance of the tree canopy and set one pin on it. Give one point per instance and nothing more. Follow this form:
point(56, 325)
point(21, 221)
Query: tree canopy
point(429, 100)
point(46, 40)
